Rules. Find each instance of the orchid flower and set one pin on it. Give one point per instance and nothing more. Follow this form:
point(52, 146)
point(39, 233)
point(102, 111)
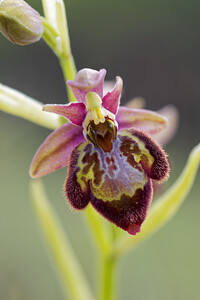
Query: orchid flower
point(111, 157)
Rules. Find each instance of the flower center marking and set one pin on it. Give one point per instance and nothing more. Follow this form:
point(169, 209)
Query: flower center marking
point(100, 126)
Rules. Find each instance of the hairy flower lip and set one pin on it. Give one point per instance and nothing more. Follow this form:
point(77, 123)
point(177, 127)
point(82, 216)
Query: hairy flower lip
point(85, 175)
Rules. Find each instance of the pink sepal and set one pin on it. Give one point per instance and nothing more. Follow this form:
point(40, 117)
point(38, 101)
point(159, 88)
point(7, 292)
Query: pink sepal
point(171, 114)
point(74, 112)
point(141, 119)
point(55, 151)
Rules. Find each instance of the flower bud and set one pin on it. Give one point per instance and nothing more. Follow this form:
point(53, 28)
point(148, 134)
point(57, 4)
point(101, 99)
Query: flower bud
point(19, 22)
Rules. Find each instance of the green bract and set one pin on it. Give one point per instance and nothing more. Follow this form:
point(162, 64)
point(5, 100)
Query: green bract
point(19, 22)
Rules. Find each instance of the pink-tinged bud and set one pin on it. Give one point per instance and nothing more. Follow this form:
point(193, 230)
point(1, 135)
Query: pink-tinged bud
point(19, 22)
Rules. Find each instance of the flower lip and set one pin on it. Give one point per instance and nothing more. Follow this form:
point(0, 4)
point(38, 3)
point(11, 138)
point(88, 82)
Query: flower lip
point(117, 182)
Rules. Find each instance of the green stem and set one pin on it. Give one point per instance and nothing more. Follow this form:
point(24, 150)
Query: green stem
point(65, 58)
point(51, 37)
point(107, 277)
point(56, 35)
point(69, 71)
point(100, 230)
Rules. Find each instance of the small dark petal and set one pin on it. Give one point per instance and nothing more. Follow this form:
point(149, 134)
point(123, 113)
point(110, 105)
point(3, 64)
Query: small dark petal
point(76, 197)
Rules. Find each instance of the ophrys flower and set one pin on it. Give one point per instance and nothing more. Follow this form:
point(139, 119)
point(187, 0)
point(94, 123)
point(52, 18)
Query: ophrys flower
point(112, 160)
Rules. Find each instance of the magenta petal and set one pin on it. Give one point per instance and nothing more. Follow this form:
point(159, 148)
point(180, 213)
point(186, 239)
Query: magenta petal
point(112, 99)
point(87, 80)
point(54, 152)
point(141, 119)
point(74, 112)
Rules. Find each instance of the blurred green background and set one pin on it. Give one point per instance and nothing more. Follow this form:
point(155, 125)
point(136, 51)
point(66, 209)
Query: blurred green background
point(155, 47)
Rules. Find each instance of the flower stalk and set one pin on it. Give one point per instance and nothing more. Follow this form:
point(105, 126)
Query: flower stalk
point(100, 231)
point(56, 22)
point(51, 37)
point(108, 273)
point(69, 70)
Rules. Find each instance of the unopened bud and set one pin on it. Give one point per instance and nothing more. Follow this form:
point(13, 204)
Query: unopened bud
point(19, 22)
